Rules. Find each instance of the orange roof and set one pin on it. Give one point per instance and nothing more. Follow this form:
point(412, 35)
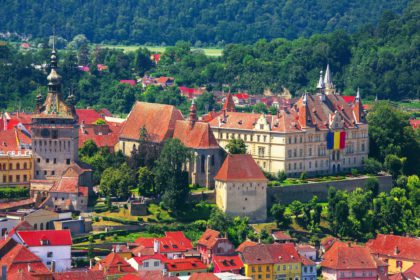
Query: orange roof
point(103, 135)
point(11, 140)
point(113, 264)
point(229, 105)
point(190, 264)
point(158, 119)
point(198, 136)
point(172, 242)
point(209, 238)
point(246, 243)
point(283, 253)
point(281, 235)
point(395, 246)
point(89, 116)
point(345, 257)
point(17, 203)
point(305, 261)
point(240, 168)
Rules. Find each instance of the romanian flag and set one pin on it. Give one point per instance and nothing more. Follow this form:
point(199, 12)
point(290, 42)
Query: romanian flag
point(336, 140)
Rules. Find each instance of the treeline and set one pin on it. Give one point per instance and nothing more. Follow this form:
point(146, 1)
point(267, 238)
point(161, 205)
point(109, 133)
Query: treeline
point(213, 21)
point(382, 60)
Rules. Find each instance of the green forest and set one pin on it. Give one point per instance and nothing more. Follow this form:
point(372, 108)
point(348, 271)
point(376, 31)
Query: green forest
point(197, 21)
point(381, 60)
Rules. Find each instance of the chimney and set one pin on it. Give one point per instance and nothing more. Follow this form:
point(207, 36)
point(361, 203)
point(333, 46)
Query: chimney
point(52, 266)
point(100, 266)
point(156, 246)
point(396, 250)
point(4, 272)
point(29, 268)
point(90, 263)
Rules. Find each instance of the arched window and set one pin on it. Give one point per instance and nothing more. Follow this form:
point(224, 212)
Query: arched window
point(25, 166)
point(18, 166)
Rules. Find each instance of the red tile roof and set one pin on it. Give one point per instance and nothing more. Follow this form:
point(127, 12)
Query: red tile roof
point(11, 140)
point(229, 105)
point(53, 237)
point(305, 261)
point(197, 136)
point(113, 264)
point(348, 99)
point(345, 257)
point(89, 116)
point(191, 92)
point(203, 276)
point(132, 277)
point(282, 236)
point(284, 253)
point(158, 119)
point(190, 264)
point(172, 242)
point(228, 263)
point(106, 135)
point(415, 123)
point(413, 271)
point(257, 254)
point(20, 258)
point(240, 168)
point(78, 275)
point(243, 245)
point(209, 238)
point(395, 246)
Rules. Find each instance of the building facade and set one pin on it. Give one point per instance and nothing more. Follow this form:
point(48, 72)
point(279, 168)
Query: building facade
point(319, 134)
point(241, 188)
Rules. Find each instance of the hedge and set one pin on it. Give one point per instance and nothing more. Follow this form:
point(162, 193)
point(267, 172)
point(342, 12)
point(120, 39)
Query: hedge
point(14, 192)
point(98, 235)
point(120, 220)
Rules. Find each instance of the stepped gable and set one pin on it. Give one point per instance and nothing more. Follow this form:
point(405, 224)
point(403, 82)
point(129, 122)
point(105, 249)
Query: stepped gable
point(395, 246)
point(240, 168)
point(158, 119)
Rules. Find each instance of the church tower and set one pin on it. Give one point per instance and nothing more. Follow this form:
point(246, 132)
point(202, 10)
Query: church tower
point(54, 129)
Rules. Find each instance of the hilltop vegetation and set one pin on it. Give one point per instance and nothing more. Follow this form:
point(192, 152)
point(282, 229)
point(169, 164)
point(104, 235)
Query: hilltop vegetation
point(213, 21)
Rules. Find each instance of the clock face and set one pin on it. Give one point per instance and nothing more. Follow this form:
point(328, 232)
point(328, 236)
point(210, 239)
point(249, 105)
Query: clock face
point(45, 132)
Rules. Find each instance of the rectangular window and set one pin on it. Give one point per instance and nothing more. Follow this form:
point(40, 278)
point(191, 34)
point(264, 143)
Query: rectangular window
point(49, 254)
point(203, 163)
point(47, 160)
point(310, 151)
point(55, 161)
point(261, 151)
point(146, 264)
point(156, 263)
point(68, 161)
point(289, 153)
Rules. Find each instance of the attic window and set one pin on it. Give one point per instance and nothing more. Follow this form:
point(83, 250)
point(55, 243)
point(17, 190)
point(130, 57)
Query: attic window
point(240, 122)
point(165, 246)
point(44, 242)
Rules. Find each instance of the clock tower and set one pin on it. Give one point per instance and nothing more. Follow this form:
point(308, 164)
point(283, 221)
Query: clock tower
point(54, 129)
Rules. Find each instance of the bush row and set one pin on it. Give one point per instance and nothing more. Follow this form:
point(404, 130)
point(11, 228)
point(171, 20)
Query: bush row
point(120, 220)
point(14, 192)
point(98, 235)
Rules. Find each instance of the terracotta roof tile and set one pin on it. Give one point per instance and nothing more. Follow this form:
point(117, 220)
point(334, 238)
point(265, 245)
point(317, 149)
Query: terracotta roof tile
point(158, 119)
point(258, 254)
point(246, 243)
point(208, 238)
point(282, 236)
point(283, 253)
point(53, 237)
point(89, 116)
point(203, 276)
point(240, 168)
point(21, 226)
point(395, 246)
point(172, 242)
point(113, 264)
point(228, 263)
point(155, 256)
point(17, 203)
point(13, 140)
point(345, 257)
point(305, 261)
point(198, 136)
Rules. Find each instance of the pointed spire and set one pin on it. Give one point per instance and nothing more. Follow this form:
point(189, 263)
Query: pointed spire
point(229, 105)
point(327, 79)
point(193, 113)
point(321, 84)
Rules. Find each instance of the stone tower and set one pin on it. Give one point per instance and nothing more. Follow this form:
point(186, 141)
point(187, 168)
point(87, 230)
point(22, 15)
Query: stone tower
point(54, 129)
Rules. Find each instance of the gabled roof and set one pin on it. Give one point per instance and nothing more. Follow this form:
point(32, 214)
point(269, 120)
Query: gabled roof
point(189, 264)
point(20, 258)
point(306, 262)
point(113, 264)
point(395, 246)
point(196, 136)
point(52, 237)
point(209, 238)
point(180, 236)
point(257, 254)
point(240, 168)
point(89, 116)
point(172, 242)
point(243, 245)
point(13, 140)
point(228, 263)
point(16, 204)
point(345, 257)
point(158, 119)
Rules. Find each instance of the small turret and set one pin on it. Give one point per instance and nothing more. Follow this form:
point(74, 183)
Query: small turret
point(320, 86)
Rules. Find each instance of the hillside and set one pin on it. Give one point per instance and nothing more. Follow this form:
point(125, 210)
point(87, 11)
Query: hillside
point(197, 21)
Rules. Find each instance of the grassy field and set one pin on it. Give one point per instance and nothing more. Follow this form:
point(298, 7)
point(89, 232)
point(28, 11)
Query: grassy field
point(160, 49)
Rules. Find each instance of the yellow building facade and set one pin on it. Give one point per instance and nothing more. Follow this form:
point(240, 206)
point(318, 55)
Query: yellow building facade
point(16, 168)
point(259, 271)
point(286, 271)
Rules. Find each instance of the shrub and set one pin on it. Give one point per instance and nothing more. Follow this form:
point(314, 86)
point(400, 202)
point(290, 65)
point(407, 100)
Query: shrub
point(372, 166)
point(14, 192)
point(281, 176)
point(354, 172)
point(303, 175)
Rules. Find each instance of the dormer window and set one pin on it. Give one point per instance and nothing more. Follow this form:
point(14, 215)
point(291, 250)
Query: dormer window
point(44, 242)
